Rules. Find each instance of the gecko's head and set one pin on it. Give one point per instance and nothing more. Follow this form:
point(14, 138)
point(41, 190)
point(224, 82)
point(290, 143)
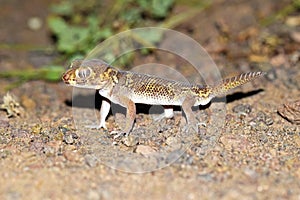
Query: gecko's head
point(93, 74)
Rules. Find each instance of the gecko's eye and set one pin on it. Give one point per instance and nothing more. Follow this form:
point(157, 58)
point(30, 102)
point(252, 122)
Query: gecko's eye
point(83, 73)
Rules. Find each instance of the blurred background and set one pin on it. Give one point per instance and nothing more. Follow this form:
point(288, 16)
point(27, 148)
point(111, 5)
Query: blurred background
point(49, 34)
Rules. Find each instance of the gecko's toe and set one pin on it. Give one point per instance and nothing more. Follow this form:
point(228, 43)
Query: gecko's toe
point(97, 126)
point(201, 124)
point(118, 134)
point(191, 128)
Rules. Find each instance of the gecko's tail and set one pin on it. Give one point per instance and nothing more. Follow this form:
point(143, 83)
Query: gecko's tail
point(230, 83)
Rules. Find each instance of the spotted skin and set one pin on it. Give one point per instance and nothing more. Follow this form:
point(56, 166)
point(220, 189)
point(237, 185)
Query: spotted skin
point(127, 88)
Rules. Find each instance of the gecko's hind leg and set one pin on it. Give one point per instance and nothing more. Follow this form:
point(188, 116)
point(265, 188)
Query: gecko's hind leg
point(130, 117)
point(168, 114)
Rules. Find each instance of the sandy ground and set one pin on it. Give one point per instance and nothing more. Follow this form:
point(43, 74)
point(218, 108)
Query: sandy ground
point(247, 150)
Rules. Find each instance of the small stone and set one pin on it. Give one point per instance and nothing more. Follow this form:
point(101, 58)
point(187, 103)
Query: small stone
point(49, 151)
point(269, 121)
point(251, 173)
point(130, 141)
point(171, 141)
point(144, 150)
point(64, 130)
point(74, 136)
point(4, 153)
point(295, 36)
point(34, 23)
point(295, 57)
point(93, 195)
point(293, 21)
point(68, 139)
point(72, 156)
point(242, 109)
point(12, 106)
point(91, 160)
point(262, 117)
point(291, 112)
point(206, 177)
point(52, 148)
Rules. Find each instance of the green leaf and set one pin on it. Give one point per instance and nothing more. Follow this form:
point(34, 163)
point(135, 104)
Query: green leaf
point(132, 15)
point(70, 38)
point(64, 8)
point(52, 73)
point(296, 4)
point(160, 8)
point(57, 24)
point(73, 39)
point(47, 73)
point(157, 8)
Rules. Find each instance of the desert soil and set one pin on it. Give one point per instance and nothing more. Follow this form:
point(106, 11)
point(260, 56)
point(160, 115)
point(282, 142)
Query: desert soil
point(255, 154)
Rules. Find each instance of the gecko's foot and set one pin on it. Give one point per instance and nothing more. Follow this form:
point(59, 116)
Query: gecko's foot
point(118, 134)
point(158, 117)
point(125, 139)
point(193, 127)
point(190, 128)
point(97, 126)
point(162, 116)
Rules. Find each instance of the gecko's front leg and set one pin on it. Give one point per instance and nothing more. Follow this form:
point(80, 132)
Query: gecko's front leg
point(104, 110)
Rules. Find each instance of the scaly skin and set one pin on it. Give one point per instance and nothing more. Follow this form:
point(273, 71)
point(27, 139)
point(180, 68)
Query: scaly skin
point(127, 88)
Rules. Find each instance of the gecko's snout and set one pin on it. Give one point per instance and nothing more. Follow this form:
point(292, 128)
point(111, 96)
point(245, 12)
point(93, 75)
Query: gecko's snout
point(68, 76)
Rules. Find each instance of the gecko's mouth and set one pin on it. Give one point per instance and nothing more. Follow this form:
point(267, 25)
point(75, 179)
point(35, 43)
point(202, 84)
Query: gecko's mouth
point(70, 80)
point(69, 77)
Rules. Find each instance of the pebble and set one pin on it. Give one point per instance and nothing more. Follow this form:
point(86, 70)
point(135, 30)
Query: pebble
point(91, 160)
point(242, 109)
point(35, 23)
point(64, 130)
point(262, 117)
point(93, 195)
point(291, 112)
point(144, 150)
point(72, 156)
point(295, 57)
point(130, 141)
point(295, 36)
point(263, 138)
point(293, 21)
point(68, 139)
point(251, 173)
point(171, 141)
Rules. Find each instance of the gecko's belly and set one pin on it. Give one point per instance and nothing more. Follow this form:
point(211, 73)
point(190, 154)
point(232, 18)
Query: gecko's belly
point(156, 100)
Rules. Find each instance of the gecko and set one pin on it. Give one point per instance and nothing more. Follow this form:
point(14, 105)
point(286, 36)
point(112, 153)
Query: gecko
point(127, 88)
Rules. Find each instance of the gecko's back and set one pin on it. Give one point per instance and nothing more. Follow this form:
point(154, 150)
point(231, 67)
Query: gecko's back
point(149, 89)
